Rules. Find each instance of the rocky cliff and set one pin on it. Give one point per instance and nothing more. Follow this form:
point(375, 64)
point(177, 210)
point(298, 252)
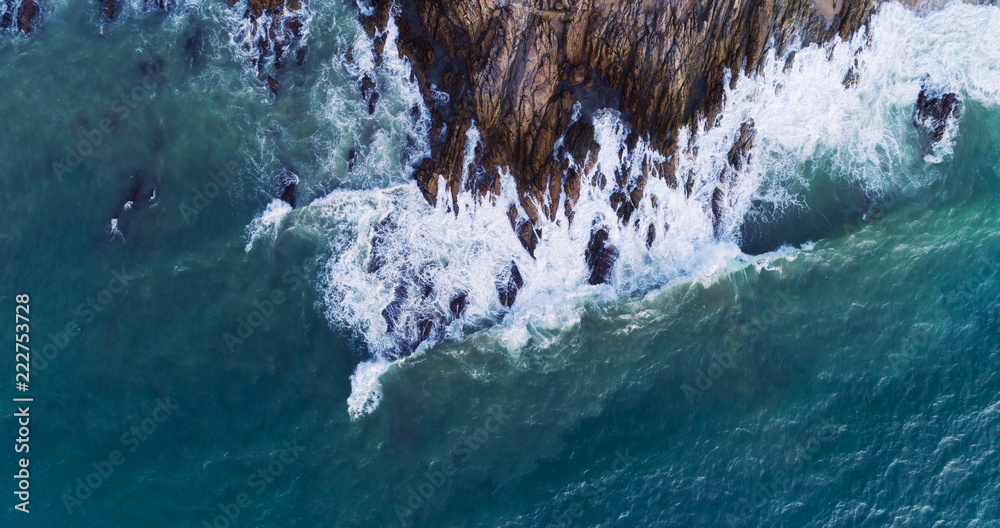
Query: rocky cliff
point(517, 67)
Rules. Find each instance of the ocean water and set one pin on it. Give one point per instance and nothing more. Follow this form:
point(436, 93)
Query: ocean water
point(203, 354)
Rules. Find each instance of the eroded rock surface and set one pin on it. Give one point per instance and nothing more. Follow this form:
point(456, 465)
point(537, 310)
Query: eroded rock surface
point(518, 66)
point(26, 15)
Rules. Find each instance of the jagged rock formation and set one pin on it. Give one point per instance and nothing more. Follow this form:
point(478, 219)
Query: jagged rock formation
point(275, 28)
point(26, 15)
point(22, 16)
point(287, 183)
point(516, 67)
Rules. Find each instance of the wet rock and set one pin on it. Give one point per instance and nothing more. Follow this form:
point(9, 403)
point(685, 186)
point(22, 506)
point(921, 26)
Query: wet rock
point(739, 153)
point(110, 7)
point(650, 236)
point(507, 287)
point(287, 182)
point(851, 78)
point(300, 55)
point(458, 304)
point(279, 50)
point(600, 257)
point(717, 198)
point(579, 140)
point(933, 111)
point(526, 232)
point(528, 236)
point(623, 205)
point(689, 184)
point(426, 325)
point(369, 92)
point(275, 26)
point(272, 84)
point(26, 16)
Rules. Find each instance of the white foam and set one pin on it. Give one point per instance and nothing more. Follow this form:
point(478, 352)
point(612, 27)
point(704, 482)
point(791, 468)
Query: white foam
point(366, 391)
point(268, 223)
point(806, 112)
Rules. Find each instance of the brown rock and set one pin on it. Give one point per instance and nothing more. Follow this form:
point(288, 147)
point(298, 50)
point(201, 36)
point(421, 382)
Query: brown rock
point(457, 305)
point(369, 93)
point(272, 84)
point(517, 68)
point(26, 16)
point(109, 8)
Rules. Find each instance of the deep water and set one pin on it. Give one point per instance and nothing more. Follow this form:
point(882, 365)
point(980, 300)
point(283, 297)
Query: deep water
point(828, 360)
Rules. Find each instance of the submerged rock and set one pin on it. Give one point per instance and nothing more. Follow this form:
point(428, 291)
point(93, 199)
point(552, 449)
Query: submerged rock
point(352, 158)
point(394, 310)
point(369, 92)
point(272, 83)
point(110, 7)
point(457, 305)
point(26, 16)
point(287, 183)
point(932, 113)
point(376, 256)
point(194, 46)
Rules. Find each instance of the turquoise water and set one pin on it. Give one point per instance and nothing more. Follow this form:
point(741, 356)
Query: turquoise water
point(828, 362)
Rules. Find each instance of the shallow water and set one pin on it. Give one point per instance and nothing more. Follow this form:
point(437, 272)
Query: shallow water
point(825, 361)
